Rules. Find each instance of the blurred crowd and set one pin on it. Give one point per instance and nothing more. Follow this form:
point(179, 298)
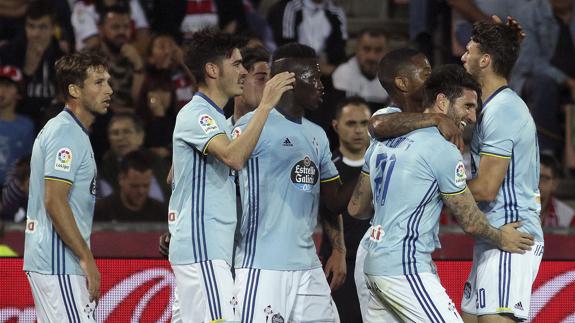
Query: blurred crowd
point(142, 41)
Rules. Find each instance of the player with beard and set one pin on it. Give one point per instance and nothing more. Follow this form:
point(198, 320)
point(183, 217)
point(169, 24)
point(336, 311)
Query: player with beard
point(202, 208)
point(278, 274)
point(58, 262)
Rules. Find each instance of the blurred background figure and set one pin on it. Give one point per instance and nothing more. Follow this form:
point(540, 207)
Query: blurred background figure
point(554, 213)
point(14, 198)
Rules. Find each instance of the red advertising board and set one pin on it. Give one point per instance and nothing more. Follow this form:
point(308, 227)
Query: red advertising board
point(138, 290)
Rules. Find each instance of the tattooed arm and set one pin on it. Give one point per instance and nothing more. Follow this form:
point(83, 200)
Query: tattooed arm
point(335, 267)
point(360, 206)
point(475, 223)
point(391, 125)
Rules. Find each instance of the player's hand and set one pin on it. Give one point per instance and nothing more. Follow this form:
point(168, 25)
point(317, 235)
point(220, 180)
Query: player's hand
point(450, 130)
point(336, 268)
point(165, 244)
point(275, 88)
point(92, 278)
point(513, 23)
point(515, 241)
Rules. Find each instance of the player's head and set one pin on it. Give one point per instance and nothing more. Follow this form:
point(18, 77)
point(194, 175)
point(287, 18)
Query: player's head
point(115, 26)
point(548, 176)
point(82, 79)
point(402, 73)
point(125, 133)
point(256, 62)
point(452, 91)
point(40, 23)
point(493, 48)
point(350, 123)
point(215, 60)
point(303, 62)
point(11, 83)
point(135, 179)
point(371, 46)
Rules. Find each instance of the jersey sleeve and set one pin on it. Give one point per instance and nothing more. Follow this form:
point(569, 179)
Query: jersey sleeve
point(497, 136)
point(197, 127)
point(449, 169)
point(368, 153)
point(328, 171)
point(63, 155)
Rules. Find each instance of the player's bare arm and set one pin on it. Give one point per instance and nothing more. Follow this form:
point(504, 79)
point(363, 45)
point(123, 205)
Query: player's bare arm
point(58, 209)
point(475, 223)
point(335, 267)
point(491, 173)
point(235, 153)
point(360, 205)
point(392, 125)
point(337, 194)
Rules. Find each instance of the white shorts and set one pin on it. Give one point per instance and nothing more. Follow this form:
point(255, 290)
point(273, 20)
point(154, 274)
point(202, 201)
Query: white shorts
point(61, 298)
point(360, 280)
point(500, 282)
point(204, 292)
point(412, 298)
point(284, 296)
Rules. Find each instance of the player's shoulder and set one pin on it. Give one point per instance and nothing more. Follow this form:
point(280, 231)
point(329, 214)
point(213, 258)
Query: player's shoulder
point(313, 128)
point(386, 110)
point(431, 141)
point(506, 105)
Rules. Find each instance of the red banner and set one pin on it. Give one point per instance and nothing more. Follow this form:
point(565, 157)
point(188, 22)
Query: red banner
point(135, 290)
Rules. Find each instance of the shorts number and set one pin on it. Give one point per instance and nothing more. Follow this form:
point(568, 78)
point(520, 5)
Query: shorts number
point(384, 165)
point(480, 298)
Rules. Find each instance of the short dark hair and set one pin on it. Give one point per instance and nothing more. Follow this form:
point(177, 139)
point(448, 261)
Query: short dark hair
point(208, 46)
point(253, 55)
point(291, 51)
point(41, 8)
point(451, 80)
point(73, 69)
point(119, 8)
point(550, 161)
point(139, 160)
point(501, 42)
point(138, 124)
point(394, 64)
point(352, 100)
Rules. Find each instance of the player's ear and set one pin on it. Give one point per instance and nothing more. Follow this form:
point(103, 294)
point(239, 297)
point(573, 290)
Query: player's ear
point(485, 60)
point(401, 83)
point(442, 103)
point(211, 70)
point(74, 90)
point(334, 124)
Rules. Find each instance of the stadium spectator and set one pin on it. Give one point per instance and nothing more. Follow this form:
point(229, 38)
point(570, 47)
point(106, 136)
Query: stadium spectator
point(16, 131)
point(126, 134)
point(358, 76)
point(350, 124)
point(319, 24)
point(545, 70)
point(35, 53)
point(554, 213)
point(12, 19)
point(86, 16)
point(131, 202)
point(14, 200)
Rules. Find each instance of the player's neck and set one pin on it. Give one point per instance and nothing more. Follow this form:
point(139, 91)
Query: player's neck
point(490, 84)
point(240, 108)
point(350, 154)
point(289, 107)
point(215, 94)
point(85, 117)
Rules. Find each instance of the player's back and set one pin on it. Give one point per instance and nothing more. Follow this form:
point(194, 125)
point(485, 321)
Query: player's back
point(202, 208)
point(506, 129)
point(407, 176)
point(62, 152)
point(280, 188)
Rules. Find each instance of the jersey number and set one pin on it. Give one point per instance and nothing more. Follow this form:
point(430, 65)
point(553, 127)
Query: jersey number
point(384, 165)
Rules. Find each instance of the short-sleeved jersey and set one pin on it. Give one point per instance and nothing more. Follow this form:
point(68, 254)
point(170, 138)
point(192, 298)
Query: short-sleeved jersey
point(506, 129)
point(408, 174)
point(61, 152)
point(202, 208)
point(280, 188)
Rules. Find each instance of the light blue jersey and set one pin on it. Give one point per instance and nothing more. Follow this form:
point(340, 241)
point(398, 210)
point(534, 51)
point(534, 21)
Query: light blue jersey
point(202, 209)
point(62, 152)
point(506, 129)
point(408, 174)
point(280, 188)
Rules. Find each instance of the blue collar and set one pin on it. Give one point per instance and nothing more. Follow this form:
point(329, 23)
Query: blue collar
point(494, 94)
point(76, 119)
point(212, 103)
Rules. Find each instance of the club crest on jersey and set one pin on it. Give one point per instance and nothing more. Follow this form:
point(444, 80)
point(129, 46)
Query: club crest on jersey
point(208, 124)
point(460, 177)
point(304, 174)
point(277, 318)
point(63, 160)
point(236, 132)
